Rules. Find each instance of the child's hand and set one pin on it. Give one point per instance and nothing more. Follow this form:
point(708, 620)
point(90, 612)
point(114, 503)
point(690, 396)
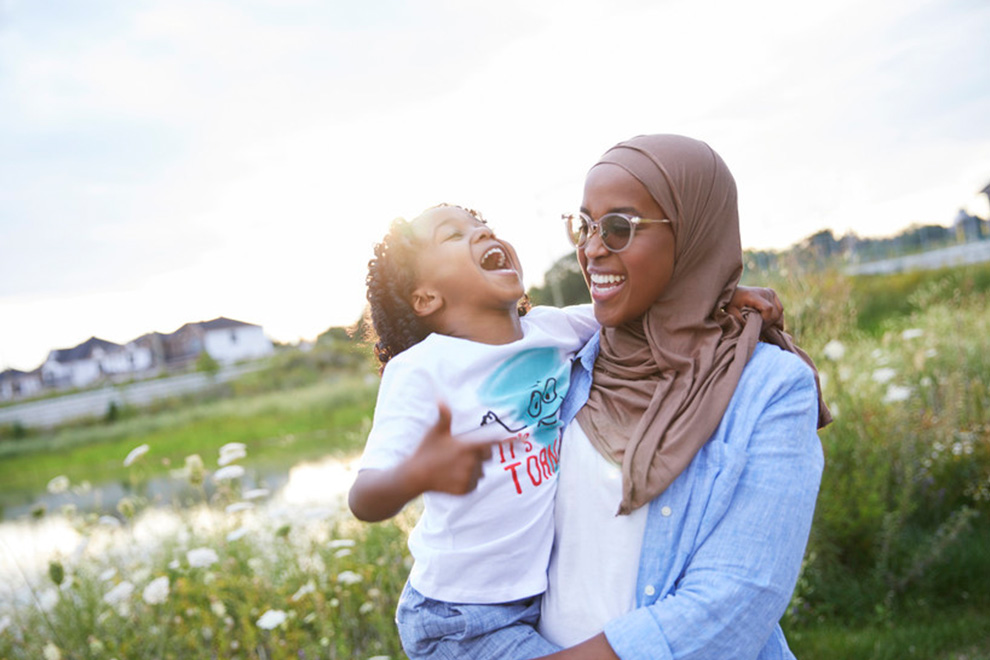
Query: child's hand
point(445, 464)
point(764, 301)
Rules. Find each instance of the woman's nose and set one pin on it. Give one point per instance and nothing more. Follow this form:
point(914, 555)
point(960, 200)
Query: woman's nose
point(594, 247)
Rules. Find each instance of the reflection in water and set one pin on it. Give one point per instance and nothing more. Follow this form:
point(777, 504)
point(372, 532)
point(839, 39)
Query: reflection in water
point(312, 490)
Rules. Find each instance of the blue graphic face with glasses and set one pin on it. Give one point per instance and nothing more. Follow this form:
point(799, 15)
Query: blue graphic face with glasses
point(526, 392)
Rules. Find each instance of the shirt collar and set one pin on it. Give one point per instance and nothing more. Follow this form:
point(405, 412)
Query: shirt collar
point(586, 356)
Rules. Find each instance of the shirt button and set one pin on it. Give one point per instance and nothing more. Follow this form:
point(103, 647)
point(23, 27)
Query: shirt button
point(665, 512)
point(649, 591)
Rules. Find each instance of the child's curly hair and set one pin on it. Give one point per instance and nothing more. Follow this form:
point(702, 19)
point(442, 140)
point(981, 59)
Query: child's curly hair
point(390, 281)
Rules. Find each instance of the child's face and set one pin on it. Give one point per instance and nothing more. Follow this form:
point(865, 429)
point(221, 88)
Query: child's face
point(462, 261)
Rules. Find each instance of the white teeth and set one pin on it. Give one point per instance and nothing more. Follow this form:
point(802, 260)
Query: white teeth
point(495, 252)
point(601, 278)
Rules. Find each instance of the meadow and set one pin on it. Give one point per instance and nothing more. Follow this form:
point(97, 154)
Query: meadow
point(896, 565)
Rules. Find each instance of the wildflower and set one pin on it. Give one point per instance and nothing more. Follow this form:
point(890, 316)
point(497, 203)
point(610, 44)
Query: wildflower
point(834, 350)
point(195, 470)
point(256, 493)
point(108, 574)
point(218, 609)
point(174, 565)
point(340, 543)
point(307, 588)
point(380, 657)
point(912, 333)
point(48, 599)
point(58, 485)
point(896, 393)
point(108, 521)
point(238, 533)
point(135, 454)
point(56, 572)
point(228, 473)
point(271, 619)
point(127, 507)
point(157, 591)
point(202, 557)
point(119, 594)
point(5, 622)
point(366, 608)
point(51, 652)
point(231, 452)
point(343, 552)
point(237, 507)
point(348, 577)
point(883, 375)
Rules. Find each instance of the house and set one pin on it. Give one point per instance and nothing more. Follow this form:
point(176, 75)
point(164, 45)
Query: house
point(93, 360)
point(17, 384)
point(969, 227)
point(225, 340)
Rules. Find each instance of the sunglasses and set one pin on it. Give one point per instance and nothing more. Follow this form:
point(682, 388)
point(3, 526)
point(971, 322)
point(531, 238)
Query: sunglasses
point(615, 229)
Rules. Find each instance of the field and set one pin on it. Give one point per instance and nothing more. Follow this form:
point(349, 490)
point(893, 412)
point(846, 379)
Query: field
point(896, 565)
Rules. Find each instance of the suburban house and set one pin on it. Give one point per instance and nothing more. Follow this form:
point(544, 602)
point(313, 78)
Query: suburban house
point(225, 340)
point(91, 360)
point(17, 384)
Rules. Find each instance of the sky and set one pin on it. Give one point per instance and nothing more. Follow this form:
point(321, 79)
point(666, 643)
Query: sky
point(168, 162)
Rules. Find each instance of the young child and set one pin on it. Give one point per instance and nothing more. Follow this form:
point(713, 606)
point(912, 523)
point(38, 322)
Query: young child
point(467, 417)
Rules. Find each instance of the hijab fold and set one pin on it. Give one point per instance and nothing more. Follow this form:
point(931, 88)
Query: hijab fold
point(661, 383)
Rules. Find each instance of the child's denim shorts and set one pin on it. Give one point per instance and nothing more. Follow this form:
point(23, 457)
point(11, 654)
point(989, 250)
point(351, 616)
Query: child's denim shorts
point(454, 631)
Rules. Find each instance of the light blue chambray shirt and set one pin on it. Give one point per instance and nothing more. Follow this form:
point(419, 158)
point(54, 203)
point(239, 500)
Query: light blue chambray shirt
point(723, 544)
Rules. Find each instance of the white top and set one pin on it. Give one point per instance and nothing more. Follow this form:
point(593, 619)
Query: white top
point(591, 583)
point(493, 544)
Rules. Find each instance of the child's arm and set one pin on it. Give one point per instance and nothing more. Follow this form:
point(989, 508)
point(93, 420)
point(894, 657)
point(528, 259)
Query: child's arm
point(441, 463)
point(764, 301)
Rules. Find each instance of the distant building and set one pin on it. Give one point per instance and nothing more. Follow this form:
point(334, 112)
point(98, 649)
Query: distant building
point(969, 228)
point(225, 340)
point(16, 384)
point(92, 360)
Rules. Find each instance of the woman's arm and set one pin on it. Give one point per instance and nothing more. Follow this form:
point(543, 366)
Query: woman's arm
point(441, 462)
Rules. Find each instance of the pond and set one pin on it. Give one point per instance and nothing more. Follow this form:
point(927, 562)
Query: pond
point(308, 490)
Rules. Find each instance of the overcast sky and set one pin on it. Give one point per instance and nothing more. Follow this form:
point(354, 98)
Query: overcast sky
point(166, 162)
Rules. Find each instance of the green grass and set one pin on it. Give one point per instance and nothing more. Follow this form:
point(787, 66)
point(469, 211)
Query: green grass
point(279, 429)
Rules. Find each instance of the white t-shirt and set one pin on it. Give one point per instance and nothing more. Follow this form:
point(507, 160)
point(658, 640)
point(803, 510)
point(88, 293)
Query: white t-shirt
point(592, 583)
point(493, 544)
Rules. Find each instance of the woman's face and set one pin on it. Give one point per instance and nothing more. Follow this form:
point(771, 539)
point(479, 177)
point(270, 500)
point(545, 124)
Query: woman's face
point(625, 284)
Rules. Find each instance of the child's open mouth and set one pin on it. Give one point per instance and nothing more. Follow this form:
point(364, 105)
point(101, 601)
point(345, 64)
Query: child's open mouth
point(494, 259)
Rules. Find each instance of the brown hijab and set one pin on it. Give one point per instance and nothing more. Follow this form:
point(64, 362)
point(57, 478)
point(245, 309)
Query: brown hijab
point(661, 383)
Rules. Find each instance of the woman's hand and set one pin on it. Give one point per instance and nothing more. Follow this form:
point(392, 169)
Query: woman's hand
point(763, 300)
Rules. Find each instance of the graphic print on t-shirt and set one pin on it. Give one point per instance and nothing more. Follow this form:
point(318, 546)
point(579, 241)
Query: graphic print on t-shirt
point(526, 391)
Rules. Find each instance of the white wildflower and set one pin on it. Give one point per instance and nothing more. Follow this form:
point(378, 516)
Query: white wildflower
point(343, 552)
point(307, 588)
point(341, 543)
point(119, 594)
point(51, 652)
point(135, 454)
point(957, 449)
point(58, 484)
point(108, 574)
point(238, 533)
point(256, 493)
point(202, 557)
point(174, 565)
point(228, 473)
point(108, 521)
point(218, 608)
point(379, 657)
point(237, 507)
point(912, 333)
point(271, 619)
point(834, 350)
point(931, 352)
point(883, 375)
point(896, 393)
point(157, 591)
point(48, 599)
point(366, 608)
point(230, 452)
point(5, 622)
point(348, 577)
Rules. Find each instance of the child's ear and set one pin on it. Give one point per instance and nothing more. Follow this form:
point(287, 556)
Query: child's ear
point(425, 301)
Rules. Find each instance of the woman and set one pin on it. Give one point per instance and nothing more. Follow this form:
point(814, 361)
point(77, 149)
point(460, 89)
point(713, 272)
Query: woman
point(702, 439)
